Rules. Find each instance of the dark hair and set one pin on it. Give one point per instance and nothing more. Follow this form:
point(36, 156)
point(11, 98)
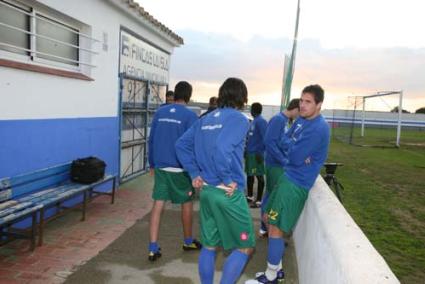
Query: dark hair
point(233, 93)
point(213, 101)
point(182, 91)
point(294, 103)
point(256, 108)
point(316, 91)
point(169, 93)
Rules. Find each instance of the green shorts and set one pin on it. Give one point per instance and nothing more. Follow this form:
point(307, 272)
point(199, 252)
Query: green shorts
point(176, 187)
point(252, 167)
point(273, 175)
point(285, 204)
point(225, 221)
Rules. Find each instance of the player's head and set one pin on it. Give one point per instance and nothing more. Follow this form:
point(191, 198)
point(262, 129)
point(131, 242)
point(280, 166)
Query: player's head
point(256, 109)
point(311, 101)
point(293, 109)
point(233, 93)
point(169, 97)
point(182, 92)
point(213, 102)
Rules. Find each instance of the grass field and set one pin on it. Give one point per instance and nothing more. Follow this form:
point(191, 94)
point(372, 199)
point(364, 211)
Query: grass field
point(385, 137)
point(385, 194)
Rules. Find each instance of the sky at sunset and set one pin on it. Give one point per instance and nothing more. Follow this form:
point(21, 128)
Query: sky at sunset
point(349, 47)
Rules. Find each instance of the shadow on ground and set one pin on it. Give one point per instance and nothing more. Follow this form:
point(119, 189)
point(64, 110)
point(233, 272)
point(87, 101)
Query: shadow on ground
point(125, 260)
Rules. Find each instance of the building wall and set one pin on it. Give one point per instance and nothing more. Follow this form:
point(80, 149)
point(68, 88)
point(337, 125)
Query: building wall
point(47, 119)
point(331, 248)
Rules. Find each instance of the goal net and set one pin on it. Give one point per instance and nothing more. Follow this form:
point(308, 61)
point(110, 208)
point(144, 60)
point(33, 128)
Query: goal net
point(372, 120)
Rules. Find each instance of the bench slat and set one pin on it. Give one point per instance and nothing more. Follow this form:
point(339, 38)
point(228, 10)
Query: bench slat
point(39, 184)
point(15, 208)
point(19, 214)
point(30, 177)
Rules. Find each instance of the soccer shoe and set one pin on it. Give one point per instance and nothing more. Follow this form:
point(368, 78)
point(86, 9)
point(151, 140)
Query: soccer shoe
point(262, 233)
point(280, 276)
point(153, 256)
point(195, 245)
point(249, 198)
point(261, 279)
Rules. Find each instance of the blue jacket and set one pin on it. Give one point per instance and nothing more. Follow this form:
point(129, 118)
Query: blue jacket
point(256, 133)
point(213, 148)
point(276, 128)
point(307, 145)
point(168, 124)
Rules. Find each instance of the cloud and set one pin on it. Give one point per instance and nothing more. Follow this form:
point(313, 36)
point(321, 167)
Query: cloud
point(207, 59)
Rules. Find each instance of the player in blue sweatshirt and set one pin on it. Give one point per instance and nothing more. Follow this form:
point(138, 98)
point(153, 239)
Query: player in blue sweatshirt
point(275, 157)
point(171, 182)
point(212, 152)
point(254, 158)
point(306, 144)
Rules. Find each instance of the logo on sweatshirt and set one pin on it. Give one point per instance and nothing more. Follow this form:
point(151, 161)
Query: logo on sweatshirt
point(244, 236)
point(173, 110)
point(273, 215)
point(217, 114)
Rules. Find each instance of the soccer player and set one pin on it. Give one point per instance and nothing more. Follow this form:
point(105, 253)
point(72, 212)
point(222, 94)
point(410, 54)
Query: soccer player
point(275, 157)
point(171, 182)
point(254, 161)
point(169, 98)
point(307, 146)
point(212, 152)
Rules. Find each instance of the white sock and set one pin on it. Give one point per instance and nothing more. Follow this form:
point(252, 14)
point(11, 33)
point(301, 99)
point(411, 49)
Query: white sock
point(271, 271)
point(280, 265)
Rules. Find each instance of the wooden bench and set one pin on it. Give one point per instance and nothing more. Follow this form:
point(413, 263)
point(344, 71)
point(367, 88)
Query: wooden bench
point(31, 194)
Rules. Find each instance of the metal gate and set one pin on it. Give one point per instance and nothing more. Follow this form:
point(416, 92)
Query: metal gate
point(139, 99)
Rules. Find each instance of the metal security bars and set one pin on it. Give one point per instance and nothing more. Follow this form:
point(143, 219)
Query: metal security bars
point(28, 32)
point(139, 100)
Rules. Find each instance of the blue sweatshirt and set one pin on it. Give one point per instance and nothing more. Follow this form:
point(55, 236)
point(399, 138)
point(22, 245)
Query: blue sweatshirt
point(213, 148)
point(256, 133)
point(276, 128)
point(306, 140)
point(168, 124)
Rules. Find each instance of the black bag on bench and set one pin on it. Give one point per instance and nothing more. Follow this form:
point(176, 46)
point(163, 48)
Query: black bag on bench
point(87, 170)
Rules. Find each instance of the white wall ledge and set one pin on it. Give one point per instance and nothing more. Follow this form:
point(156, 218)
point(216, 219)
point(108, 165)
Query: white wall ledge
point(331, 248)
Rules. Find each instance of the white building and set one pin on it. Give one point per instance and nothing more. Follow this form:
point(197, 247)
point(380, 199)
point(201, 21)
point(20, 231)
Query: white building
point(61, 91)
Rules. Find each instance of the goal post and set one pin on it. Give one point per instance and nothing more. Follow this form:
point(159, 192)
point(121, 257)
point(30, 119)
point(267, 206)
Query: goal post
point(400, 111)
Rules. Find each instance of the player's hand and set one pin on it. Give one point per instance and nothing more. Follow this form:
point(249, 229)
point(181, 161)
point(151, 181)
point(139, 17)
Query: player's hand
point(151, 172)
point(197, 182)
point(259, 158)
point(230, 188)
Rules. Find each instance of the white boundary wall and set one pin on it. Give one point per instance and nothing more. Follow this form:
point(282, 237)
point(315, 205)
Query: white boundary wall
point(331, 248)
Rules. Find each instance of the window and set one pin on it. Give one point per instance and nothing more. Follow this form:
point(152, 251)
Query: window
point(34, 35)
point(14, 16)
point(62, 41)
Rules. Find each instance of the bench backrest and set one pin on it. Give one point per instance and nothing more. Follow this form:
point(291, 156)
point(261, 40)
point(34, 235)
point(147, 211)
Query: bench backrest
point(12, 187)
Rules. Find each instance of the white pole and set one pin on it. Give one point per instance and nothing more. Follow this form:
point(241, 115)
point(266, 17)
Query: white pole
point(363, 116)
point(400, 110)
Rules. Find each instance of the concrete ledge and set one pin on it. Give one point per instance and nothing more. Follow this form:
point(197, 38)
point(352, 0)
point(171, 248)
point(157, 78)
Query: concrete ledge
point(331, 248)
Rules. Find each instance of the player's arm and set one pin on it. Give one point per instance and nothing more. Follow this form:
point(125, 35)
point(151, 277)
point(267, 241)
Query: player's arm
point(272, 139)
point(151, 142)
point(302, 151)
point(232, 135)
point(185, 150)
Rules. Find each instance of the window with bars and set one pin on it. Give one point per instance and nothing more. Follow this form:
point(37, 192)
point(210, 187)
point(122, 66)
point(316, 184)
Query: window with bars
point(33, 34)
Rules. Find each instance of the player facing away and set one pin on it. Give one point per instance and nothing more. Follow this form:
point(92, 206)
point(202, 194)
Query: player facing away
point(306, 144)
point(275, 157)
point(171, 181)
point(254, 160)
point(212, 153)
